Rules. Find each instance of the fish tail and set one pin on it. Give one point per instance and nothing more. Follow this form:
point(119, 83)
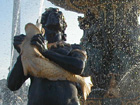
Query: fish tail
point(86, 86)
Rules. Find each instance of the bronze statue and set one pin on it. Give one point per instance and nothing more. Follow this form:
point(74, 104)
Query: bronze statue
point(72, 58)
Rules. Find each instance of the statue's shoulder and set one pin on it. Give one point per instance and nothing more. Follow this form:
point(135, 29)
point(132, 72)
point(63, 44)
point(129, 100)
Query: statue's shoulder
point(80, 49)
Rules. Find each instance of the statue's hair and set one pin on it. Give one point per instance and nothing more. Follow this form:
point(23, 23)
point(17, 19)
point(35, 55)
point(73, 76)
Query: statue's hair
point(46, 14)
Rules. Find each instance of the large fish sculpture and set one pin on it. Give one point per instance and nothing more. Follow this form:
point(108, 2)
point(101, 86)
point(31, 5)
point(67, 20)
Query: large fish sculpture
point(35, 64)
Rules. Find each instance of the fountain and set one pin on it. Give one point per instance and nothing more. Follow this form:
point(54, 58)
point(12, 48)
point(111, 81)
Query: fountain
point(111, 33)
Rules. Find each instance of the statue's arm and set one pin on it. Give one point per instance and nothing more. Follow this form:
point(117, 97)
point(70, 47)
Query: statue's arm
point(16, 76)
point(74, 62)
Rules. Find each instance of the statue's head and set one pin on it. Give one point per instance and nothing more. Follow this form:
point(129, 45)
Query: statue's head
point(53, 20)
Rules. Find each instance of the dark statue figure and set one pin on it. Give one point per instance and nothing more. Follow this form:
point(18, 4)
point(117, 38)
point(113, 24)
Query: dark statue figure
point(70, 57)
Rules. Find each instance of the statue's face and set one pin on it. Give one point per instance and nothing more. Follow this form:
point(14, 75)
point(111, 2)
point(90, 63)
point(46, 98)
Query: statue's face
point(55, 21)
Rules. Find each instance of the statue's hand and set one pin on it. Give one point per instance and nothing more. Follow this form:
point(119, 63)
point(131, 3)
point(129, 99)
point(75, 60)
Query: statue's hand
point(39, 41)
point(17, 41)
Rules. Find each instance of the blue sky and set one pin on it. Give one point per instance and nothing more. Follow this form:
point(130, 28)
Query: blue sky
point(29, 13)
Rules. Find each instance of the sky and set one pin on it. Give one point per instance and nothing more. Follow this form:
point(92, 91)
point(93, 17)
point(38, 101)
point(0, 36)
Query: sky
point(29, 13)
